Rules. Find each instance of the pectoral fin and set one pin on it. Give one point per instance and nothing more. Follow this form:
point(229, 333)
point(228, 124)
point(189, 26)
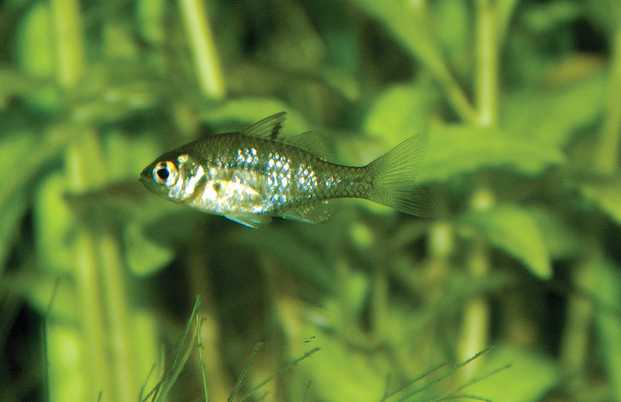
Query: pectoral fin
point(250, 220)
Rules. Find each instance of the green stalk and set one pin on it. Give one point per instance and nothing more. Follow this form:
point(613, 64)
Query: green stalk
point(440, 249)
point(287, 313)
point(70, 65)
point(379, 301)
point(97, 255)
point(86, 274)
point(607, 155)
point(218, 383)
point(69, 43)
point(487, 64)
point(455, 94)
point(457, 97)
point(576, 335)
point(203, 48)
point(609, 160)
point(441, 245)
point(122, 349)
point(475, 328)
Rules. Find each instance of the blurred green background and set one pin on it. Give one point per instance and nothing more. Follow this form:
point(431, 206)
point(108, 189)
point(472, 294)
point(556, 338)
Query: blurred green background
point(108, 293)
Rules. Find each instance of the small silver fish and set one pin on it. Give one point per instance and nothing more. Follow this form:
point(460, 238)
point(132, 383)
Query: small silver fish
point(255, 174)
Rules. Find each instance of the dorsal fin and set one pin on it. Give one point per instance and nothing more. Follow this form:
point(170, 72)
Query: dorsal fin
point(267, 128)
point(311, 142)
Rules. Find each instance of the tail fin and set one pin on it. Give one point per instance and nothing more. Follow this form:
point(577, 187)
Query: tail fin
point(395, 178)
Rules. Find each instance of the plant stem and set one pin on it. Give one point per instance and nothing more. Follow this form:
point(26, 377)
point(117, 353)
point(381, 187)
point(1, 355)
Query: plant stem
point(438, 68)
point(487, 64)
point(119, 322)
point(69, 42)
point(607, 155)
point(576, 335)
point(457, 97)
point(87, 278)
point(114, 375)
point(575, 342)
point(218, 382)
point(379, 303)
point(441, 248)
point(203, 48)
point(475, 329)
point(70, 65)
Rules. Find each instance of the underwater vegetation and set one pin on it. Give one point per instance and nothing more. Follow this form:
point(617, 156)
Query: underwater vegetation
point(510, 290)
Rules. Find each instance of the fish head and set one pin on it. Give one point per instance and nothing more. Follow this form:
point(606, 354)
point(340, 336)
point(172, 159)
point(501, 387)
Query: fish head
point(172, 176)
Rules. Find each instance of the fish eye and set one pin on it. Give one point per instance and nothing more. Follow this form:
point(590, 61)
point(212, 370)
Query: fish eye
point(164, 172)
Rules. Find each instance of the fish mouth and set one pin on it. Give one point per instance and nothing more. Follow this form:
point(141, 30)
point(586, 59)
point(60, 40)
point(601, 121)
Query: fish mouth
point(145, 175)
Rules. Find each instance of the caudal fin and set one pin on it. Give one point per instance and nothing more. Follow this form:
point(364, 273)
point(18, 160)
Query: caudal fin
point(395, 178)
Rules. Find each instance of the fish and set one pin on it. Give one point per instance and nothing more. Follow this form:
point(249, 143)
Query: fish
point(257, 173)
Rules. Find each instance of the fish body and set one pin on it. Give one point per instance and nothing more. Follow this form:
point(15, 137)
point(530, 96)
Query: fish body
point(256, 174)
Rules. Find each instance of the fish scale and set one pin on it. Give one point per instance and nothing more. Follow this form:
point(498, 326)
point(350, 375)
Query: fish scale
point(291, 176)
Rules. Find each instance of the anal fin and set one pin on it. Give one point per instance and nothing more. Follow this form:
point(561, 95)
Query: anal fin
point(315, 212)
point(252, 221)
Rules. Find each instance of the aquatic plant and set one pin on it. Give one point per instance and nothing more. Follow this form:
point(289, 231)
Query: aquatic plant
point(519, 102)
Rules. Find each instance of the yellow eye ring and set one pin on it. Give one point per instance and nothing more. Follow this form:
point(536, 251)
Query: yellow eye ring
point(164, 172)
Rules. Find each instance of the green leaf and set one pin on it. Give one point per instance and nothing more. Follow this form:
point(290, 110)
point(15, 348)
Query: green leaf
point(24, 155)
point(400, 112)
point(64, 344)
point(15, 83)
point(294, 255)
point(183, 352)
point(606, 13)
point(453, 24)
point(455, 150)
point(505, 10)
point(513, 230)
point(40, 289)
point(607, 284)
point(606, 195)
point(560, 238)
point(248, 110)
point(145, 257)
point(12, 213)
point(35, 53)
point(141, 216)
point(549, 16)
point(151, 16)
point(114, 92)
point(127, 154)
point(20, 155)
point(342, 374)
point(283, 47)
point(528, 378)
point(35, 43)
point(552, 116)
point(409, 24)
point(341, 81)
